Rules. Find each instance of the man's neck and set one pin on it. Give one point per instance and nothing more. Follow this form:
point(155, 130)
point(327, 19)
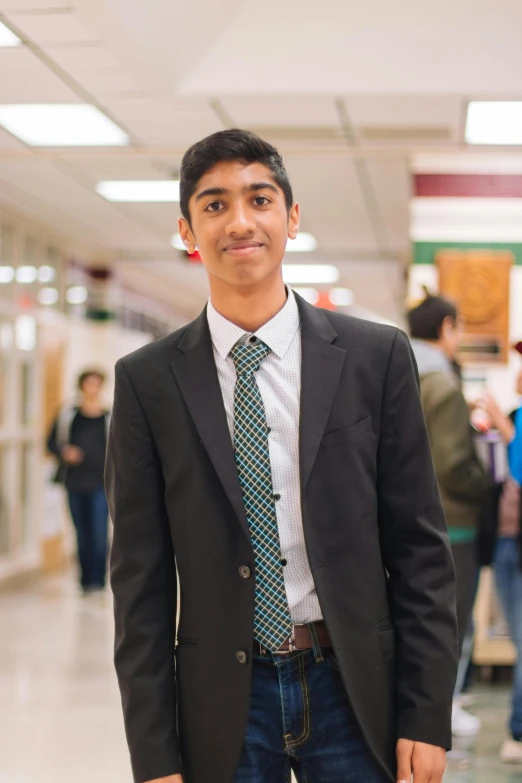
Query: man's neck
point(249, 308)
point(437, 345)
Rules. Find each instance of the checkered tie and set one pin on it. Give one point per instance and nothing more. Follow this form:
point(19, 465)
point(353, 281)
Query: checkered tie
point(272, 621)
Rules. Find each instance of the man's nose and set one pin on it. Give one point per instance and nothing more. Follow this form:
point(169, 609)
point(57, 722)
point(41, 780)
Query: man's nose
point(239, 221)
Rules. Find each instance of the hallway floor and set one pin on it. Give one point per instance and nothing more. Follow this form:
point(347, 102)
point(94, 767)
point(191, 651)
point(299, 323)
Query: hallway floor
point(60, 717)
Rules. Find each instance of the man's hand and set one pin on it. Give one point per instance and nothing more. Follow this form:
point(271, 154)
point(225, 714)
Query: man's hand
point(168, 779)
point(426, 763)
point(72, 455)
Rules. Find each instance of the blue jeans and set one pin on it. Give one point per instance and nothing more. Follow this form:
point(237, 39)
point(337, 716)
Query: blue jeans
point(508, 577)
point(301, 719)
point(90, 515)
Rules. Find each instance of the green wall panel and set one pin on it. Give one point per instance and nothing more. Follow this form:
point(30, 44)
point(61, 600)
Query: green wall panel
point(424, 252)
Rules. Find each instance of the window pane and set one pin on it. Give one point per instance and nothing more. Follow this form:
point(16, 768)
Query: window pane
point(6, 261)
point(26, 395)
point(4, 507)
point(25, 473)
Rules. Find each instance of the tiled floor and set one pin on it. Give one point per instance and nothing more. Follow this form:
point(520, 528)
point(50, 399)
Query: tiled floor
point(60, 718)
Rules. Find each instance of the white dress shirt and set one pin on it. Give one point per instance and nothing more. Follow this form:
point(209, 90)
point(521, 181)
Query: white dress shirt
point(279, 382)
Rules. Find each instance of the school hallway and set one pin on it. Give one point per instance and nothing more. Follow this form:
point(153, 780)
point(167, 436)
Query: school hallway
point(60, 717)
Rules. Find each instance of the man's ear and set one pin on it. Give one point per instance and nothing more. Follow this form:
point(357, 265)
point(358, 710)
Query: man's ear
point(186, 235)
point(293, 221)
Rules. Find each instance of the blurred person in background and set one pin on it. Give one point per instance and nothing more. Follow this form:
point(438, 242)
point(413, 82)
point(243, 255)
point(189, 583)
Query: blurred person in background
point(463, 481)
point(507, 558)
point(79, 439)
point(277, 455)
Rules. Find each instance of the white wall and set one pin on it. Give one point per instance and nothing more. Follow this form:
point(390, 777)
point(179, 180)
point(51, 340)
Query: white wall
point(99, 345)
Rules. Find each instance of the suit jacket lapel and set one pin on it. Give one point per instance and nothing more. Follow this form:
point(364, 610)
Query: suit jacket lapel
point(196, 374)
point(322, 364)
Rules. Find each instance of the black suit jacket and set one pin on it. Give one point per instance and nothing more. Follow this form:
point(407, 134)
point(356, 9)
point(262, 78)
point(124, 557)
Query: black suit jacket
point(374, 529)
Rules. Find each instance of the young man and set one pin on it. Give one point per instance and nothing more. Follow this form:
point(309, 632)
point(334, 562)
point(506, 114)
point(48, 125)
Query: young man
point(275, 455)
point(463, 481)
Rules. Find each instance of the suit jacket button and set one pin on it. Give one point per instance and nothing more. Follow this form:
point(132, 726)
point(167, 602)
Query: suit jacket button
point(245, 572)
point(241, 656)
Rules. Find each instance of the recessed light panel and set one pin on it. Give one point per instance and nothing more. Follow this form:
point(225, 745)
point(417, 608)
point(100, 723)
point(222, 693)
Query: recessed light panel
point(7, 37)
point(139, 190)
point(310, 274)
point(494, 122)
point(61, 125)
point(303, 243)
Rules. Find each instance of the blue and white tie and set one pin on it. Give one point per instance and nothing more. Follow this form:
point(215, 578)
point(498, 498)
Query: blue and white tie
point(272, 621)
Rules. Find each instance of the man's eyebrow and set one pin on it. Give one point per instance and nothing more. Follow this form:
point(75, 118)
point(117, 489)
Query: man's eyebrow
point(252, 188)
point(212, 192)
point(261, 186)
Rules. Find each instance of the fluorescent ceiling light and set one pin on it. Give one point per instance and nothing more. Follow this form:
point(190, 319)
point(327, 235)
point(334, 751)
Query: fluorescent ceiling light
point(341, 297)
point(310, 295)
point(76, 295)
point(139, 190)
point(310, 274)
point(25, 333)
point(48, 296)
point(177, 242)
point(7, 37)
point(303, 243)
point(494, 122)
point(7, 274)
point(46, 274)
point(61, 125)
point(26, 274)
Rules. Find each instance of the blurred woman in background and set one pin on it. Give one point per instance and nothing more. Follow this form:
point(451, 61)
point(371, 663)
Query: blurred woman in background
point(507, 558)
point(79, 439)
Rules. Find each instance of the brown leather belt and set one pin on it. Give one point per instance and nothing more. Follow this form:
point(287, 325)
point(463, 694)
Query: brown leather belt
point(301, 639)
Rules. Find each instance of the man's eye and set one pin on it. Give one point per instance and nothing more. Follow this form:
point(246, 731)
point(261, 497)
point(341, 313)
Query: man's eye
point(260, 201)
point(213, 206)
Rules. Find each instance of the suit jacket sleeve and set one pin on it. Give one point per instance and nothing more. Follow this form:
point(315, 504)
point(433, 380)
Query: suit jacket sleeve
point(417, 556)
point(143, 581)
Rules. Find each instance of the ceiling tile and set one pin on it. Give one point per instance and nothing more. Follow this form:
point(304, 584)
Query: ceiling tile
point(82, 58)
point(31, 5)
point(114, 167)
point(30, 81)
point(403, 111)
point(9, 142)
point(102, 81)
point(157, 123)
point(290, 111)
point(391, 181)
point(332, 208)
point(57, 197)
point(52, 28)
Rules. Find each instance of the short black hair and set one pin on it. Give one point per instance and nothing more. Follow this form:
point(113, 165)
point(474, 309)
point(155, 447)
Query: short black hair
point(88, 374)
point(427, 318)
point(234, 144)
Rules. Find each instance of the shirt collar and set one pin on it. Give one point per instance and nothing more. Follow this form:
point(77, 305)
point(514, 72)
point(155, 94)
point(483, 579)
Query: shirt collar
point(277, 333)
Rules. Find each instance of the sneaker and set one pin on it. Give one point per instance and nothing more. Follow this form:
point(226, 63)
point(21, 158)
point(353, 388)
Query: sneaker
point(462, 723)
point(466, 700)
point(511, 752)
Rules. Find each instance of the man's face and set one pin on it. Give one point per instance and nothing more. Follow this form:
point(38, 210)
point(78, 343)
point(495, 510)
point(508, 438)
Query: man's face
point(92, 386)
point(451, 335)
point(239, 223)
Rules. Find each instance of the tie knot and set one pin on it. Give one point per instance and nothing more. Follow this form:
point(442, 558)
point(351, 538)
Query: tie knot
point(248, 356)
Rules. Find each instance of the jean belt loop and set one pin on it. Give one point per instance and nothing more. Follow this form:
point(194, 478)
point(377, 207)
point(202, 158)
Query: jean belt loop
point(318, 652)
